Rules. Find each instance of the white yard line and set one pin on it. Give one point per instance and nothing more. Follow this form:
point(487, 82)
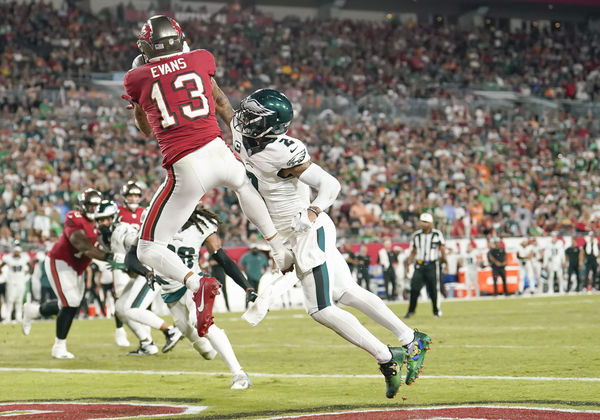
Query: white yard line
point(436, 408)
point(285, 375)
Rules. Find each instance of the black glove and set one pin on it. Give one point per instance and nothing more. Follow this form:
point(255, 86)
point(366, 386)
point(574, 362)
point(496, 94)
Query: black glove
point(250, 296)
point(152, 278)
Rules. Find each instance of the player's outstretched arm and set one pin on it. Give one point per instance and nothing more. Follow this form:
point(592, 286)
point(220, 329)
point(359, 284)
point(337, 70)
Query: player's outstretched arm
point(84, 245)
point(141, 121)
point(222, 105)
point(215, 248)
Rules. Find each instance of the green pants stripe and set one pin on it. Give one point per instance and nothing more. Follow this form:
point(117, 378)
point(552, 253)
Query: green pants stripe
point(321, 275)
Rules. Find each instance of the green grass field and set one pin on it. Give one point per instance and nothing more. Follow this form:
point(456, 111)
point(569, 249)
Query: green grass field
point(514, 351)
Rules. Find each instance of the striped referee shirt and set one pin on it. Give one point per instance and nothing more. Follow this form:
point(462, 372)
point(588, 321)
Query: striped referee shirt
point(427, 245)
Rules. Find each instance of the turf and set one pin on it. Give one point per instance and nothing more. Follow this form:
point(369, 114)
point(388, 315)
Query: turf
point(496, 340)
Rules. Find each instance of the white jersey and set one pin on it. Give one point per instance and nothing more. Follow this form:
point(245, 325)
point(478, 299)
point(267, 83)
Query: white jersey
point(123, 237)
point(16, 268)
point(469, 259)
point(554, 255)
point(187, 244)
point(284, 197)
point(452, 264)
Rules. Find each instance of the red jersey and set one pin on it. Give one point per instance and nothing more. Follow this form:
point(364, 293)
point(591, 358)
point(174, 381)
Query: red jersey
point(176, 95)
point(65, 251)
point(131, 217)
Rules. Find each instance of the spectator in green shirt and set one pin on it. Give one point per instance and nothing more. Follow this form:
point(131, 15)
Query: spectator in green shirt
point(254, 263)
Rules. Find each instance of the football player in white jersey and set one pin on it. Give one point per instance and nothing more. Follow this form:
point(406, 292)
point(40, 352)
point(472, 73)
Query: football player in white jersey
point(132, 305)
point(201, 229)
point(17, 272)
point(280, 169)
point(469, 263)
point(526, 256)
point(554, 260)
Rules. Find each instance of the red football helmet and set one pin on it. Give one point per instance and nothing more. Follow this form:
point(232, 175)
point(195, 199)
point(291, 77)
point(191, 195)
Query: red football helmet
point(88, 201)
point(132, 195)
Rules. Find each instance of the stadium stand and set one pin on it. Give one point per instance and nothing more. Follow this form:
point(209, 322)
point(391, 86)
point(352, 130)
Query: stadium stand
point(409, 129)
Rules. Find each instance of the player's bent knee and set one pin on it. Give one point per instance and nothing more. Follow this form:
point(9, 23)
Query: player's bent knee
point(322, 315)
point(148, 251)
point(120, 310)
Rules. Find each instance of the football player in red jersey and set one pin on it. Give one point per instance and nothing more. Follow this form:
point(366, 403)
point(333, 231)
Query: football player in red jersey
point(131, 211)
point(65, 264)
point(175, 97)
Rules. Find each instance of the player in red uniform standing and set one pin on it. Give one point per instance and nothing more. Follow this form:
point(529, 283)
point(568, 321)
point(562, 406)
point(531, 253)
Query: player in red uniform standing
point(175, 97)
point(64, 265)
point(131, 211)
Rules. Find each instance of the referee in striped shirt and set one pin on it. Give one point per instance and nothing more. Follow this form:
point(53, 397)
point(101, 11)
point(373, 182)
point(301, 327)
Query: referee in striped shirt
point(427, 251)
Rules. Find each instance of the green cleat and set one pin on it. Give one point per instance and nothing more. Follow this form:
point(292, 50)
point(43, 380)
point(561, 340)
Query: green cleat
point(391, 371)
point(416, 355)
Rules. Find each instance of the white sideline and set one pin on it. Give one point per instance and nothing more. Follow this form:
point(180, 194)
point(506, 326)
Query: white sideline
point(290, 375)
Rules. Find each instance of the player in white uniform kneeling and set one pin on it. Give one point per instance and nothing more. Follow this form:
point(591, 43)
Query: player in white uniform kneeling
point(132, 305)
point(280, 168)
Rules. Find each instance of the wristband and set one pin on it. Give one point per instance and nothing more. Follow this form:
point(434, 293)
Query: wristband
point(315, 210)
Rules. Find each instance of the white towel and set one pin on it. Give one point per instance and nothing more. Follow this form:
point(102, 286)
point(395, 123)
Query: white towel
point(258, 309)
point(307, 252)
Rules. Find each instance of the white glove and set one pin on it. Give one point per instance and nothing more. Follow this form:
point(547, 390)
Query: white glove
point(301, 222)
point(193, 283)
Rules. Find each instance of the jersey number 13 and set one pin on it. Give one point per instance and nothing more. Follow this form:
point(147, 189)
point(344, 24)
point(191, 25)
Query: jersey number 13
point(192, 83)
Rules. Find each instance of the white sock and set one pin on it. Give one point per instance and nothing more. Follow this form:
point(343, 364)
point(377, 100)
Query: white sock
point(180, 316)
point(376, 309)
point(220, 342)
point(144, 316)
point(60, 342)
point(141, 331)
point(346, 325)
point(202, 345)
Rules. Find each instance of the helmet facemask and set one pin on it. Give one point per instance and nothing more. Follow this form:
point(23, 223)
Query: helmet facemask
point(106, 215)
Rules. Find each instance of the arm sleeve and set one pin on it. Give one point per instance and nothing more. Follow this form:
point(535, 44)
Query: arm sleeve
point(326, 185)
point(231, 269)
point(133, 264)
point(442, 240)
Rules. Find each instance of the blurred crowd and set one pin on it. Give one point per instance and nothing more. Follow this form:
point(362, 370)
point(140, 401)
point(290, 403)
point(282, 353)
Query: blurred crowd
point(479, 170)
point(43, 46)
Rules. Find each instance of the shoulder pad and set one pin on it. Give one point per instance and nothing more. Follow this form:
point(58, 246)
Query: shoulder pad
point(288, 152)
